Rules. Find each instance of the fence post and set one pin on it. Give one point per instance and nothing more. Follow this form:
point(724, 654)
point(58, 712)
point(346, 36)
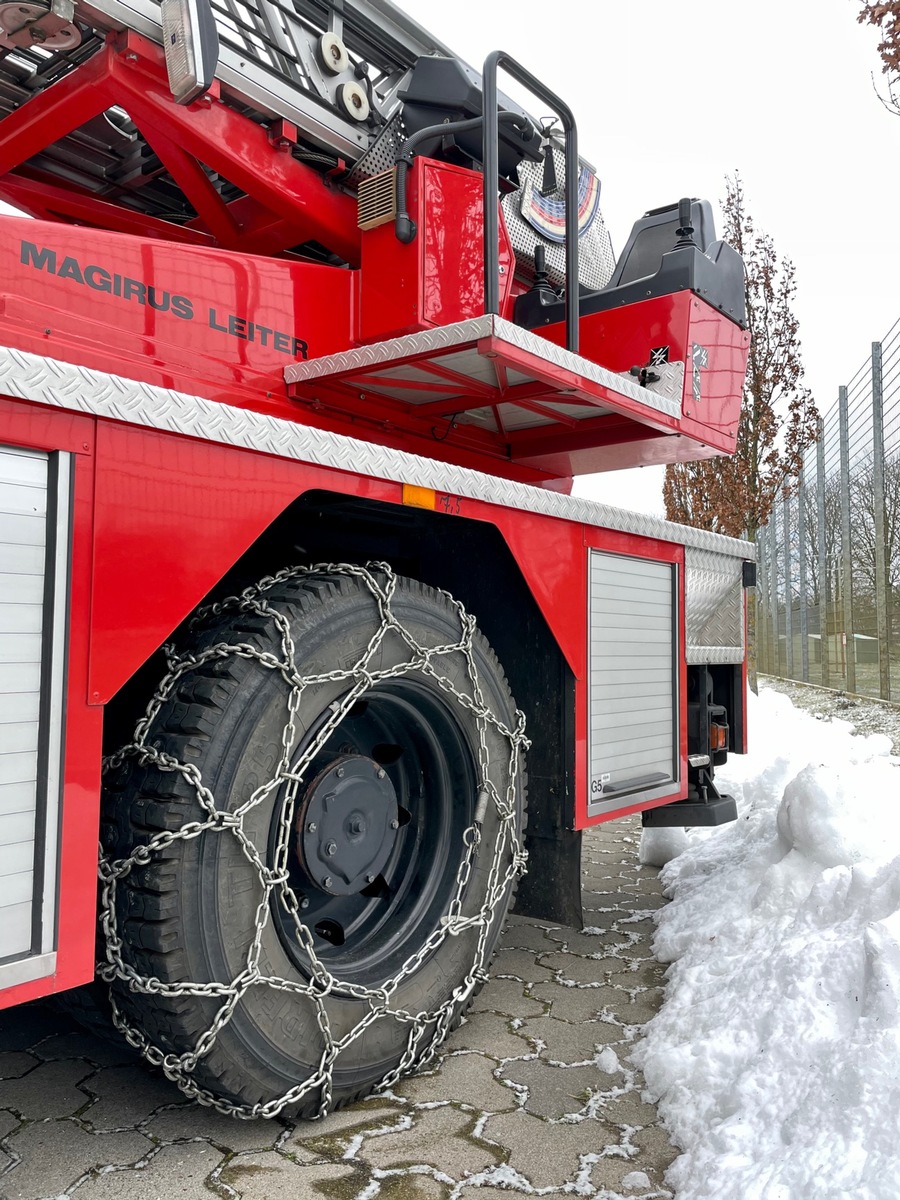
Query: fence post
point(824, 581)
point(773, 593)
point(846, 551)
point(788, 590)
point(804, 616)
point(881, 575)
point(761, 606)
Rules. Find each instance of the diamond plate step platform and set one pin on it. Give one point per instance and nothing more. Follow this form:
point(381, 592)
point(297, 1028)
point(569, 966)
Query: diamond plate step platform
point(493, 387)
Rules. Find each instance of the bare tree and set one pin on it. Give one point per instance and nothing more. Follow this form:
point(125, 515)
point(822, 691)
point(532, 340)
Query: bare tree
point(886, 16)
point(778, 417)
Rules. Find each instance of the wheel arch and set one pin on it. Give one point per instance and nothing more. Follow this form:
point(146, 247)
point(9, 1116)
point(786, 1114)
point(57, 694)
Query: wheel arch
point(473, 562)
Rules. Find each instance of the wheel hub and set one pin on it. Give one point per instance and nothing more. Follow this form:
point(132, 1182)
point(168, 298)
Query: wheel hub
point(347, 825)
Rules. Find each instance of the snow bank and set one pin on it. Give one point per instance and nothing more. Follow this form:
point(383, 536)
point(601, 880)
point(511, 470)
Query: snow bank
point(776, 1055)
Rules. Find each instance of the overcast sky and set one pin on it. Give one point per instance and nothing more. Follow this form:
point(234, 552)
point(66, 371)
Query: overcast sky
point(669, 95)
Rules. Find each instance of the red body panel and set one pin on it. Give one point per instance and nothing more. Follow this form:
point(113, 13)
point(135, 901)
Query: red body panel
point(622, 338)
point(439, 277)
point(144, 501)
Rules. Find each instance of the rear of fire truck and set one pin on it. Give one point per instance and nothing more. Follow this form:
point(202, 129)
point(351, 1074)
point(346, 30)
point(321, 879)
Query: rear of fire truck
point(305, 330)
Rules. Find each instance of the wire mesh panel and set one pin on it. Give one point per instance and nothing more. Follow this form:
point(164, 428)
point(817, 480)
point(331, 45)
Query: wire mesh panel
point(829, 595)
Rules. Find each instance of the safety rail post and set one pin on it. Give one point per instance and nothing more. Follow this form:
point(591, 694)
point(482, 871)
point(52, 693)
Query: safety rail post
point(881, 573)
point(846, 551)
point(491, 166)
point(824, 581)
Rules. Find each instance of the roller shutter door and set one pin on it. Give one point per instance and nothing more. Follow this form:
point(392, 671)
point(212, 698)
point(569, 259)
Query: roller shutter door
point(633, 732)
point(33, 560)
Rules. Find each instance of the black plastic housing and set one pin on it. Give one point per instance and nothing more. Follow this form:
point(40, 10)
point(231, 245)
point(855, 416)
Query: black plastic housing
point(447, 89)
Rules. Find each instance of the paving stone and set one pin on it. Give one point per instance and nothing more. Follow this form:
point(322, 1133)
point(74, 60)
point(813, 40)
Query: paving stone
point(567, 1042)
point(579, 943)
point(440, 1138)
point(506, 996)
point(489, 1033)
point(520, 963)
point(465, 1078)
point(271, 1176)
point(414, 1186)
point(655, 1151)
point(642, 1008)
point(196, 1121)
point(48, 1091)
point(527, 937)
point(517, 919)
point(8, 1122)
point(15, 1064)
point(577, 1004)
point(21, 1027)
point(554, 1092)
point(127, 1096)
point(646, 973)
point(330, 1137)
point(583, 970)
point(176, 1172)
point(54, 1154)
point(628, 1110)
point(80, 1044)
point(529, 1142)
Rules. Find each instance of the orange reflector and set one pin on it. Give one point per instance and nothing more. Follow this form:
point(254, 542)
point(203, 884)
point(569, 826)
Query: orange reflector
point(718, 737)
point(419, 497)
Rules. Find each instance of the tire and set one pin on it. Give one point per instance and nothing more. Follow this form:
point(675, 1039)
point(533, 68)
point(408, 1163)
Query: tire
point(397, 770)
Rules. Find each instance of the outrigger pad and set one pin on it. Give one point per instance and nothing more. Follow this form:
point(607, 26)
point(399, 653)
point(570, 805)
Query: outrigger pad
point(691, 813)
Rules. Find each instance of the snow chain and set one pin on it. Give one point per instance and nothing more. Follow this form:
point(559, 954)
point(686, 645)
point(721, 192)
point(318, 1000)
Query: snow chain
point(427, 1030)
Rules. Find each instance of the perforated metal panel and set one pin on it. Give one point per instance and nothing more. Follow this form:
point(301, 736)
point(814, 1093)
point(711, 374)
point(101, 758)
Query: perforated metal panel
point(633, 733)
point(33, 565)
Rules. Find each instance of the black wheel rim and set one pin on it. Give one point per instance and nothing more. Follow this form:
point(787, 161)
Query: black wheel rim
point(418, 739)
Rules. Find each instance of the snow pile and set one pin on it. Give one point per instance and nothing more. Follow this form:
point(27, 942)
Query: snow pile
point(776, 1055)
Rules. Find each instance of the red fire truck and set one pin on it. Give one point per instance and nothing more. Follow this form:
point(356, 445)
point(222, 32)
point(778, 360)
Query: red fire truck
point(304, 333)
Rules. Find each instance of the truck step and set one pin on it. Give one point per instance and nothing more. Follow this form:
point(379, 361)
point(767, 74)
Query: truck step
point(718, 811)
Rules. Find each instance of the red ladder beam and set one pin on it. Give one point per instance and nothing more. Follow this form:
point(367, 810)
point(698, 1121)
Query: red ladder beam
point(49, 202)
point(234, 146)
point(129, 72)
point(212, 212)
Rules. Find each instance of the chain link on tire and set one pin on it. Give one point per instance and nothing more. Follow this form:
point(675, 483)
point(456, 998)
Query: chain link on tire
point(425, 1030)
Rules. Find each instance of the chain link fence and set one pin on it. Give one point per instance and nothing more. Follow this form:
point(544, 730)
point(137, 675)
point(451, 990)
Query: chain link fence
point(829, 558)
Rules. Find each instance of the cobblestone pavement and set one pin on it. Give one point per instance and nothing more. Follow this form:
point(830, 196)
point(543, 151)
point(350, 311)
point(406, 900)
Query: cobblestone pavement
point(534, 1093)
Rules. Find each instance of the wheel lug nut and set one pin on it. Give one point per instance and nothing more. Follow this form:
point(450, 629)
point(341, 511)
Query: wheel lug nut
point(370, 879)
point(326, 882)
point(395, 824)
point(331, 848)
point(340, 772)
point(304, 903)
point(380, 772)
point(311, 827)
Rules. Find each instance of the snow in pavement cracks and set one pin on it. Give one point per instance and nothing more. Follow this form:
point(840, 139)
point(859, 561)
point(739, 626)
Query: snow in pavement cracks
point(776, 1056)
point(535, 1093)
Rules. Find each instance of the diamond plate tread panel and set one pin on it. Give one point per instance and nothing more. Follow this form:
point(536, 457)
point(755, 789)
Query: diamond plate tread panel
point(712, 655)
point(463, 332)
point(79, 389)
point(714, 607)
point(670, 383)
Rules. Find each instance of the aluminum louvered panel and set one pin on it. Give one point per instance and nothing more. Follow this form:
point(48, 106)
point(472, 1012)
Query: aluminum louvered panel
point(33, 571)
point(23, 522)
point(633, 726)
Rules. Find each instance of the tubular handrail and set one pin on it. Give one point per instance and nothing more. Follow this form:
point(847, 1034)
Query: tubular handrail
point(491, 168)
